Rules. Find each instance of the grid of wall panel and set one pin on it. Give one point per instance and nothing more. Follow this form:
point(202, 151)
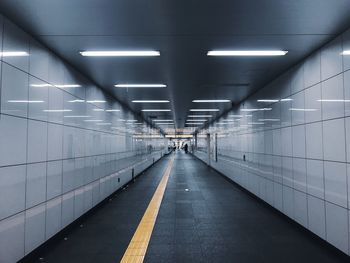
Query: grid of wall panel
point(289, 143)
point(64, 144)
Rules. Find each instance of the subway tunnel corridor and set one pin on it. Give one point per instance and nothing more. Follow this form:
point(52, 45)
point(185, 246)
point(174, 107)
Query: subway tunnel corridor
point(174, 131)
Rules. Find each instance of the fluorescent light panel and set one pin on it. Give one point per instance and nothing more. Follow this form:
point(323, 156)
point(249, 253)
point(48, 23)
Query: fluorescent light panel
point(151, 110)
point(150, 101)
point(268, 101)
point(204, 110)
point(65, 110)
point(210, 101)
point(14, 54)
point(121, 53)
point(346, 52)
point(140, 85)
point(25, 101)
point(200, 116)
point(247, 53)
point(158, 120)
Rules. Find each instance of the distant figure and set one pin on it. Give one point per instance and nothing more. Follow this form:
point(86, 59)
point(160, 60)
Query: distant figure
point(186, 148)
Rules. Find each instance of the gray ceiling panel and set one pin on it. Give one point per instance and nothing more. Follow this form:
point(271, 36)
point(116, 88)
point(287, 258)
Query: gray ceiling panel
point(183, 31)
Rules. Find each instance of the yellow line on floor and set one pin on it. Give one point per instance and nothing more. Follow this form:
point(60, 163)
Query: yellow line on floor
point(136, 251)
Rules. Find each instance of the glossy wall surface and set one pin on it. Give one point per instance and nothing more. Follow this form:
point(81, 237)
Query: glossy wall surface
point(64, 144)
point(295, 137)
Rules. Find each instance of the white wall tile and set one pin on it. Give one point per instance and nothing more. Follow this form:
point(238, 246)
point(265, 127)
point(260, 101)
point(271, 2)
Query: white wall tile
point(288, 201)
point(347, 129)
point(298, 133)
point(334, 140)
point(331, 59)
point(300, 208)
point(34, 227)
point(35, 184)
point(38, 92)
point(67, 208)
point(287, 171)
point(298, 104)
point(12, 190)
point(297, 78)
point(54, 179)
point(337, 227)
point(68, 175)
point(53, 216)
point(55, 141)
point(315, 178)
point(347, 92)
point(12, 238)
point(299, 174)
point(287, 149)
point(37, 141)
point(15, 39)
point(14, 91)
point(314, 144)
point(313, 104)
point(335, 183)
point(39, 61)
point(13, 140)
point(316, 216)
point(346, 46)
point(56, 103)
point(312, 69)
point(333, 89)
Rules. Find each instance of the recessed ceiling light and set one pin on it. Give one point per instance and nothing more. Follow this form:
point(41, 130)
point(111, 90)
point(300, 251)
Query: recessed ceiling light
point(77, 116)
point(140, 85)
point(247, 53)
point(65, 110)
point(25, 101)
point(150, 101)
point(76, 101)
point(189, 120)
point(67, 86)
point(287, 99)
point(96, 101)
point(346, 52)
point(98, 109)
point(121, 53)
point(14, 54)
point(301, 109)
point(40, 85)
point(93, 120)
point(159, 120)
point(268, 101)
point(333, 100)
point(269, 119)
point(149, 110)
point(200, 116)
point(112, 110)
point(199, 101)
point(204, 110)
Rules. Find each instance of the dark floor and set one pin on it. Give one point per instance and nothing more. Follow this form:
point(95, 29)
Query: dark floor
point(203, 218)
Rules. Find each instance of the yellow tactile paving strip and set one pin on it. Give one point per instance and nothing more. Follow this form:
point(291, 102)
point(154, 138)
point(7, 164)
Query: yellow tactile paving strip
point(136, 251)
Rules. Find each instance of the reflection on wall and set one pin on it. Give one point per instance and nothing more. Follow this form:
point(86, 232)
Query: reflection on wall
point(294, 135)
point(64, 144)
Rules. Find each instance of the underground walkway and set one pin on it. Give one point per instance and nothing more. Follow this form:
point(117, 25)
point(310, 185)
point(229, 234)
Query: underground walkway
point(202, 218)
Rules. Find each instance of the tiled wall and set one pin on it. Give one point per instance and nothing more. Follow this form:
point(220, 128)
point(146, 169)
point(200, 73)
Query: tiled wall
point(297, 148)
point(55, 165)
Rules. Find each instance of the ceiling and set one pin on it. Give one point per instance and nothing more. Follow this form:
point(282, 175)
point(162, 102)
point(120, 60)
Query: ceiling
point(183, 31)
